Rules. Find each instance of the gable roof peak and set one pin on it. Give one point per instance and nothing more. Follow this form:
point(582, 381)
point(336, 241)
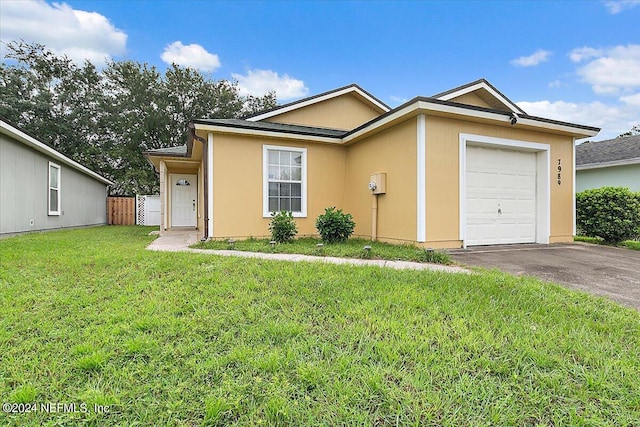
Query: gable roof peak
point(351, 88)
point(485, 90)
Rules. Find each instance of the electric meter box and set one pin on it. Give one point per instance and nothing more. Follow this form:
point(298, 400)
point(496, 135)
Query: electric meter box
point(381, 183)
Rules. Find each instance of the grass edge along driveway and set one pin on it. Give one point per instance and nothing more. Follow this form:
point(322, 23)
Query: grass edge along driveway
point(90, 317)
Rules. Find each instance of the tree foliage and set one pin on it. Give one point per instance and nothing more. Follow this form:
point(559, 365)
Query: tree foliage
point(105, 119)
point(632, 132)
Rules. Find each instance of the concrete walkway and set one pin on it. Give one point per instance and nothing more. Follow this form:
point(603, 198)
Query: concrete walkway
point(179, 241)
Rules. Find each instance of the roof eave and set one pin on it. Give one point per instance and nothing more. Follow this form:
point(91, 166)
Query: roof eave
point(30, 141)
point(600, 165)
point(319, 98)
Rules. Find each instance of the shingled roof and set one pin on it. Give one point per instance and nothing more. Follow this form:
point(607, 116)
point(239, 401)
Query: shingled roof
point(611, 152)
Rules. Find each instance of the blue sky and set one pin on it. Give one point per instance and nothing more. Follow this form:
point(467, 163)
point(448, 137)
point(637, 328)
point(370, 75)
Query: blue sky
point(577, 61)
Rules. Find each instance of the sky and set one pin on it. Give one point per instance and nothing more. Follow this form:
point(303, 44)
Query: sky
point(575, 61)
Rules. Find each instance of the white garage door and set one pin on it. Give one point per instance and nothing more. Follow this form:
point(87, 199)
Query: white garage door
point(500, 196)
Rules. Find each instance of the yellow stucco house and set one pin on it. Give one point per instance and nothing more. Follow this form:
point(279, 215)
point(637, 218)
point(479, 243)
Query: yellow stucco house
point(464, 167)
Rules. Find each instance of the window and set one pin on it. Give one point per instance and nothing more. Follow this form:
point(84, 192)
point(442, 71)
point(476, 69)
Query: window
point(54, 189)
point(285, 176)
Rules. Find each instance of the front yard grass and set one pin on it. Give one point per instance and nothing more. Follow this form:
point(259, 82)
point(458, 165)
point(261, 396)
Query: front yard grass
point(352, 248)
point(182, 339)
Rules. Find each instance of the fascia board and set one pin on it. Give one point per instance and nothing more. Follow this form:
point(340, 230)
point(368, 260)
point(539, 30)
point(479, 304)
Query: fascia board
point(625, 162)
point(266, 133)
point(315, 100)
point(45, 149)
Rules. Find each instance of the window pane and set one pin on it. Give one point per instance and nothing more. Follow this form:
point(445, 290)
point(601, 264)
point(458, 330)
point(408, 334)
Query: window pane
point(53, 176)
point(273, 204)
point(273, 157)
point(53, 200)
point(285, 190)
point(296, 190)
point(285, 204)
point(296, 174)
point(273, 172)
point(285, 158)
point(296, 205)
point(297, 159)
point(285, 173)
point(273, 189)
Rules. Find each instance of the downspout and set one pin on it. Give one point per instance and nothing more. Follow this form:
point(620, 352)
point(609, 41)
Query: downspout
point(205, 167)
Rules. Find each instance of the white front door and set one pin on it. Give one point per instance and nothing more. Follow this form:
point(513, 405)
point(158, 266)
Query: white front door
point(184, 195)
point(501, 196)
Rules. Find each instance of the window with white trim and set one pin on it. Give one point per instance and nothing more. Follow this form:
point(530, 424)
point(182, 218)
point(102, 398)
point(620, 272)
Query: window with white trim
point(285, 175)
point(53, 199)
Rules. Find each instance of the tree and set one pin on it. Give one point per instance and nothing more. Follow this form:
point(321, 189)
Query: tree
point(634, 131)
point(106, 119)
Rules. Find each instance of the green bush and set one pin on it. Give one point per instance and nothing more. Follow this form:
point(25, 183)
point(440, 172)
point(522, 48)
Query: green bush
point(335, 226)
point(282, 226)
point(611, 213)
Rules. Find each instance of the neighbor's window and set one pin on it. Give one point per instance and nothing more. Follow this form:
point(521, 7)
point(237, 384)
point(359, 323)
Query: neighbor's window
point(285, 172)
point(54, 189)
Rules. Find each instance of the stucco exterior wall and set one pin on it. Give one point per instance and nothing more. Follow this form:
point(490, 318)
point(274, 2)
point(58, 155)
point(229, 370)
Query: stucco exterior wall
point(343, 112)
point(238, 184)
point(613, 176)
point(443, 183)
point(24, 192)
point(392, 152)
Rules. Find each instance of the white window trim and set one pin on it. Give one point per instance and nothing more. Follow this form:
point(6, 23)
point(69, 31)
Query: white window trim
point(543, 180)
point(265, 179)
point(49, 188)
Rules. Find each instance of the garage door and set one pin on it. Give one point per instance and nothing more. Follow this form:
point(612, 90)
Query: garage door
point(500, 196)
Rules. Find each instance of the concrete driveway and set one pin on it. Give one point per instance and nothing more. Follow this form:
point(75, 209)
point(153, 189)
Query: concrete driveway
point(599, 270)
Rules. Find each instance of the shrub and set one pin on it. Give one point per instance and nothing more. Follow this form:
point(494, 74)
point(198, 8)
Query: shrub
point(335, 226)
point(611, 213)
point(282, 226)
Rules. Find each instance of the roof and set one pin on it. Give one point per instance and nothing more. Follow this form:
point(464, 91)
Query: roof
point(274, 127)
point(180, 151)
point(30, 141)
point(352, 88)
point(611, 152)
point(513, 116)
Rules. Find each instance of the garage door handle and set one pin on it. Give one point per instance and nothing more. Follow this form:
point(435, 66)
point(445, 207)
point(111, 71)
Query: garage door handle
point(499, 211)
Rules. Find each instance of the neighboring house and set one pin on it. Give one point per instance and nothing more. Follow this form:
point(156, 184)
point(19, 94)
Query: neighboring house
point(40, 189)
point(464, 167)
point(610, 163)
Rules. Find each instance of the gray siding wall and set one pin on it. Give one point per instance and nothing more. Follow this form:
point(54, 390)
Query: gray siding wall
point(24, 189)
point(613, 176)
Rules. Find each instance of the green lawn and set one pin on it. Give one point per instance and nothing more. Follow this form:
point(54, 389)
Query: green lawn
point(89, 317)
point(630, 244)
point(352, 248)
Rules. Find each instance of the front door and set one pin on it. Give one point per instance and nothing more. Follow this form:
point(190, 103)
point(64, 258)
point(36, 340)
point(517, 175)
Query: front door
point(184, 194)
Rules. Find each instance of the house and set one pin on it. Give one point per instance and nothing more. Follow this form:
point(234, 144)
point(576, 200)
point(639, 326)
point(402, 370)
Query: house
point(41, 189)
point(464, 167)
point(610, 163)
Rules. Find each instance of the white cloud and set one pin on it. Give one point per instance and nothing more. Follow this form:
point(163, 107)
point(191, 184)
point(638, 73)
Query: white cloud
point(582, 53)
point(613, 119)
point(259, 82)
point(191, 55)
point(532, 60)
point(65, 31)
point(617, 6)
point(631, 99)
point(555, 83)
point(611, 70)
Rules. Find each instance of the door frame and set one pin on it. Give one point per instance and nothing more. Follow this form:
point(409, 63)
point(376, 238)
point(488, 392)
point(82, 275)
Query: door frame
point(543, 179)
point(192, 178)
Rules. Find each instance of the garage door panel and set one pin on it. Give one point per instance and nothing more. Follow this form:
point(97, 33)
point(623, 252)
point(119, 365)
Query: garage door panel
point(500, 196)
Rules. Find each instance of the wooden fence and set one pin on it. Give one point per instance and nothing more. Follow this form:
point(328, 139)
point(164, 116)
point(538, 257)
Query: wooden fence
point(121, 210)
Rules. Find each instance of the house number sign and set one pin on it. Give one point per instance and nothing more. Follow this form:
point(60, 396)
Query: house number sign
point(559, 171)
